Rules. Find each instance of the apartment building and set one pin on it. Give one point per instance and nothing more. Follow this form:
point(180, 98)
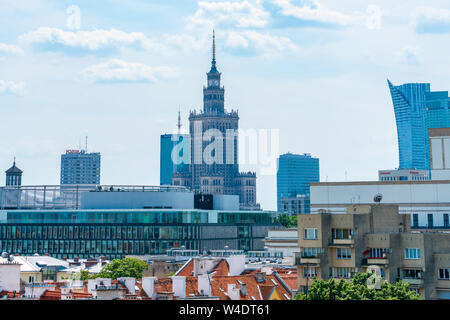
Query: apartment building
point(373, 236)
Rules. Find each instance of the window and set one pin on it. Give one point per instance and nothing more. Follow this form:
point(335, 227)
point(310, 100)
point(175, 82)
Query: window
point(430, 220)
point(378, 253)
point(412, 253)
point(311, 252)
point(412, 274)
point(444, 274)
point(343, 253)
point(415, 220)
point(342, 272)
point(310, 234)
point(342, 233)
point(310, 272)
point(446, 220)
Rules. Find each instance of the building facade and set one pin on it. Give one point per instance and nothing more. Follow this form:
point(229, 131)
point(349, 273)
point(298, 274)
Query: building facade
point(214, 166)
point(168, 164)
point(403, 175)
point(438, 109)
point(116, 233)
point(409, 102)
point(79, 167)
point(440, 153)
point(373, 237)
point(294, 174)
point(426, 202)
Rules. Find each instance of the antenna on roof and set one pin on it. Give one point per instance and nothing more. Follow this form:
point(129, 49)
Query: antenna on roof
point(179, 125)
point(85, 149)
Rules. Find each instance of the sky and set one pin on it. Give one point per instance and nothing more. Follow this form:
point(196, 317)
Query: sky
point(118, 71)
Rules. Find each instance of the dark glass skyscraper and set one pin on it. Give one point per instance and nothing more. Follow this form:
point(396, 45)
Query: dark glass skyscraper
point(409, 102)
point(294, 174)
point(167, 165)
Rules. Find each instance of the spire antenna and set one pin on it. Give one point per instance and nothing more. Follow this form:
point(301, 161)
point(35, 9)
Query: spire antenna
point(179, 125)
point(214, 46)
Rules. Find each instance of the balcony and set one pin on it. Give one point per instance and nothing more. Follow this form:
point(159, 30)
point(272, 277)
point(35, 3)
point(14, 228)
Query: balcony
point(340, 242)
point(377, 261)
point(300, 261)
point(310, 260)
point(413, 281)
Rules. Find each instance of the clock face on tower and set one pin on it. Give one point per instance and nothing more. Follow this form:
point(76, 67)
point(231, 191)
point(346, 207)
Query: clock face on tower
point(216, 82)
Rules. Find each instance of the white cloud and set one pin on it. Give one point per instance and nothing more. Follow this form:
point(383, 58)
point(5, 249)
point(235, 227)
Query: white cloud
point(10, 49)
point(116, 70)
point(241, 14)
point(312, 10)
point(12, 87)
point(373, 18)
point(262, 43)
point(90, 41)
point(431, 20)
point(409, 55)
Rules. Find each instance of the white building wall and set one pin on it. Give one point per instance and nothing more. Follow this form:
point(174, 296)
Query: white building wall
point(9, 277)
point(421, 198)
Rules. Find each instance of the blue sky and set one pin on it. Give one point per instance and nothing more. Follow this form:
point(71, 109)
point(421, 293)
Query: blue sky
point(315, 70)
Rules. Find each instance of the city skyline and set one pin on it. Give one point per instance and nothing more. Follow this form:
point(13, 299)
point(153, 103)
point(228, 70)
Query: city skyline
point(57, 83)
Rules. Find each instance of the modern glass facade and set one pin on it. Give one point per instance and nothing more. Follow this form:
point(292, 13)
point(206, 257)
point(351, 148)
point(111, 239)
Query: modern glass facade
point(409, 102)
point(167, 165)
point(116, 233)
point(438, 109)
point(294, 174)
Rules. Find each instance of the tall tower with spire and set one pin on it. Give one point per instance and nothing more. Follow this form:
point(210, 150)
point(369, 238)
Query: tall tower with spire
point(13, 175)
point(213, 94)
point(215, 170)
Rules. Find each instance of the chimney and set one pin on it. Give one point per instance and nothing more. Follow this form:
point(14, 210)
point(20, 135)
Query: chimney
point(179, 286)
point(237, 264)
point(148, 285)
point(130, 283)
point(204, 285)
point(233, 292)
point(243, 289)
point(260, 276)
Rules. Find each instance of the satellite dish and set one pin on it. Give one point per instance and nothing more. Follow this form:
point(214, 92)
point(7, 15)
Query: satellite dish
point(11, 258)
point(378, 197)
point(4, 255)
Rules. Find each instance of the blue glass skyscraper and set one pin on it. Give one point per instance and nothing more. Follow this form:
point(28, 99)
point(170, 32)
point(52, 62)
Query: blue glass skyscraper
point(409, 102)
point(438, 109)
point(167, 166)
point(294, 174)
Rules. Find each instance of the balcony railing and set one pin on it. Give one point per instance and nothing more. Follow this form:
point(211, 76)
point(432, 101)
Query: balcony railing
point(413, 281)
point(375, 261)
point(347, 241)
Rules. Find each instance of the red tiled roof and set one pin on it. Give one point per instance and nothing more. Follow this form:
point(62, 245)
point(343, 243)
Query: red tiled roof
point(219, 286)
point(222, 268)
point(9, 294)
point(187, 269)
point(51, 295)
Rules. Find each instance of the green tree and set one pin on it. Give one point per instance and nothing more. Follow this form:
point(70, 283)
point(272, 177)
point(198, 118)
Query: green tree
point(287, 221)
point(357, 289)
point(127, 267)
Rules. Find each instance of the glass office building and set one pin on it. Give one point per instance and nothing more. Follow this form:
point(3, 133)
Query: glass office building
point(409, 102)
point(294, 174)
point(116, 233)
point(167, 165)
point(438, 109)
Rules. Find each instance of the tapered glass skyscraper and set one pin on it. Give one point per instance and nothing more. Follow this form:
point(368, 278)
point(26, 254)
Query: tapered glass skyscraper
point(410, 109)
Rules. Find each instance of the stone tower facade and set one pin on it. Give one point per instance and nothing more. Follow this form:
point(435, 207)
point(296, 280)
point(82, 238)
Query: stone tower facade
point(213, 131)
